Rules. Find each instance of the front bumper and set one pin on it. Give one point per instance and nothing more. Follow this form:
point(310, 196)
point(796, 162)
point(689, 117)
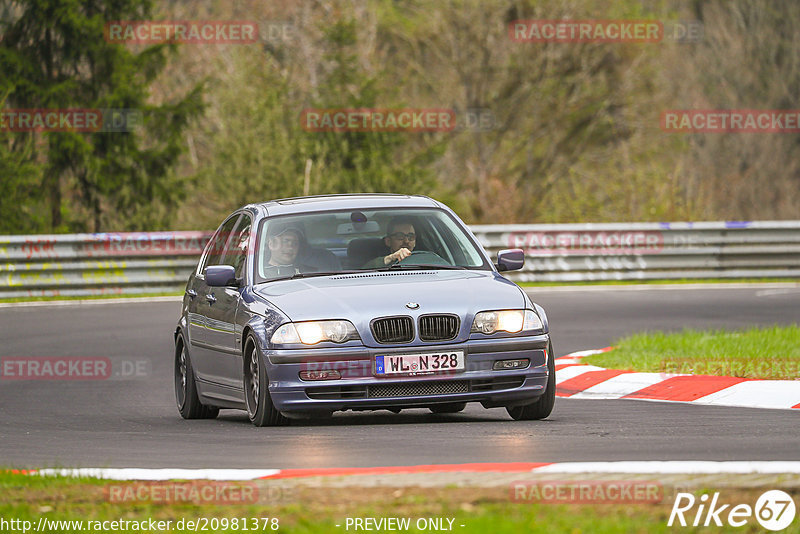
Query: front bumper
point(359, 389)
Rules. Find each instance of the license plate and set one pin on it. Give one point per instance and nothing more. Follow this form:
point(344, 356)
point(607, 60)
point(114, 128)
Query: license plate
point(416, 364)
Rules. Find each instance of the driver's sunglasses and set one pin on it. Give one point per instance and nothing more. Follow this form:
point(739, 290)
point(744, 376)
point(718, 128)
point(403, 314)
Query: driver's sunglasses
point(401, 236)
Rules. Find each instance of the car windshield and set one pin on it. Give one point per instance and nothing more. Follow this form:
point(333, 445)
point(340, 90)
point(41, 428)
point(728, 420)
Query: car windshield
point(314, 244)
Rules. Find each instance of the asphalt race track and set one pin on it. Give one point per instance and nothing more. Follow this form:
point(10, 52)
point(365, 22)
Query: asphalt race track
point(133, 422)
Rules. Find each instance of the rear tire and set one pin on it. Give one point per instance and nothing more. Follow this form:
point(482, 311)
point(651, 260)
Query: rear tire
point(452, 407)
point(544, 405)
point(260, 409)
point(185, 387)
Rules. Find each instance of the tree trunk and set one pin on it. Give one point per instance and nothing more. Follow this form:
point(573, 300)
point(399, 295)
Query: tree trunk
point(53, 186)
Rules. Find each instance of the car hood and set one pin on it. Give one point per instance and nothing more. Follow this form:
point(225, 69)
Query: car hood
point(364, 296)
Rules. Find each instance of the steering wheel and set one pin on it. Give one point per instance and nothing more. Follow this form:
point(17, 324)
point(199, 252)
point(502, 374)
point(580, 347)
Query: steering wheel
point(424, 257)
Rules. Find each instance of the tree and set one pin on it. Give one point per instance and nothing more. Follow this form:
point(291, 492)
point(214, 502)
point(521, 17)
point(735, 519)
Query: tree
point(53, 55)
point(20, 198)
point(749, 58)
point(253, 146)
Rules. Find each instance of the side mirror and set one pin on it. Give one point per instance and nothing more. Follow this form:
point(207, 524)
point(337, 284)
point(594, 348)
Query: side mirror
point(510, 259)
point(221, 276)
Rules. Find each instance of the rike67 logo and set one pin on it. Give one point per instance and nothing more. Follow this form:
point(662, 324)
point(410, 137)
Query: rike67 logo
point(774, 510)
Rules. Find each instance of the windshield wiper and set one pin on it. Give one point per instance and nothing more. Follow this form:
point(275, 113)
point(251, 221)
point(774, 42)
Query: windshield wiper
point(311, 274)
point(423, 266)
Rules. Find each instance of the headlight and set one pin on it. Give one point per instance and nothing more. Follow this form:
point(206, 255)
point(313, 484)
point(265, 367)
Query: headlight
point(512, 321)
point(312, 332)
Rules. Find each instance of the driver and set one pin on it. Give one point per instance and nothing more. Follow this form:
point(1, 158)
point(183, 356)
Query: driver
point(400, 239)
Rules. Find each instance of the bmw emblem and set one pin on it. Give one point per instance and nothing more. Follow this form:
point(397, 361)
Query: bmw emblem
point(412, 305)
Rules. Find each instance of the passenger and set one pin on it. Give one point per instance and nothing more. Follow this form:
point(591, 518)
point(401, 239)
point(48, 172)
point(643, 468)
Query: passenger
point(284, 241)
point(400, 239)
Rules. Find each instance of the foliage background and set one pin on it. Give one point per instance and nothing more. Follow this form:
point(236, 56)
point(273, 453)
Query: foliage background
point(577, 135)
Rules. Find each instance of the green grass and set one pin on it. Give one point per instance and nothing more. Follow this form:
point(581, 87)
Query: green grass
point(91, 297)
point(771, 353)
point(311, 510)
point(663, 282)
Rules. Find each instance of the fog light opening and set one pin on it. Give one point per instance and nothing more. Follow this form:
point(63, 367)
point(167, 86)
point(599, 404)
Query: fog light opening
point(511, 364)
point(323, 374)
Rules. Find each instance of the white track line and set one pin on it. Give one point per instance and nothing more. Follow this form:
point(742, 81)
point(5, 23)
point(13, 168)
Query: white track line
point(670, 467)
point(628, 467)
point(582, 353)
point(130, 473)
point(659, 287)
point(90, 302)
point(541, 289)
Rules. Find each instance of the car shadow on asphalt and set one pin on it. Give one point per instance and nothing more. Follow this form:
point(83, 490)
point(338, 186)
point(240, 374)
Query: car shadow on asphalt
point(385, 417)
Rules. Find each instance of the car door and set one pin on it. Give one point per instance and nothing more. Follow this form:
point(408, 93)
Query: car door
point(225, 367)
point(195, 313)
point(204, 358)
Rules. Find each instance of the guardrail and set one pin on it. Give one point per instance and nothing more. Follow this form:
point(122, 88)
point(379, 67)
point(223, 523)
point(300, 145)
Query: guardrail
point(130, 263)
point(650, 251)
point(98, 264)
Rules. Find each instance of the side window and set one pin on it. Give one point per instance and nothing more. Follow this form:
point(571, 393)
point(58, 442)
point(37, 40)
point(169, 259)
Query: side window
point(238, 246)
point(217, 244)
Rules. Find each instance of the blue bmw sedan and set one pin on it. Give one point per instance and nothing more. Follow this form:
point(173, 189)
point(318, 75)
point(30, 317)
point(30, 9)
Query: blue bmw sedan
point(301, 307)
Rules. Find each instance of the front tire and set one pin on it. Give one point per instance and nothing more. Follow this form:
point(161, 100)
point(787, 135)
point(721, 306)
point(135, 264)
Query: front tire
point(544, 405)
point(185, 387)
point(260, 409)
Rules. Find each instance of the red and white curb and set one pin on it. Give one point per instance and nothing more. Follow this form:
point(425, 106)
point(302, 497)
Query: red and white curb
point(580, 381)
point(627, 467)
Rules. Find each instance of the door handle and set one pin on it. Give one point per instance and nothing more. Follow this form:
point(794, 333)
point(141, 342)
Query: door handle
point(211, 298)
point(192, 293)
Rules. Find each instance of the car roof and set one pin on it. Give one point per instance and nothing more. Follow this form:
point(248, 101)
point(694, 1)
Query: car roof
point(284, 206)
